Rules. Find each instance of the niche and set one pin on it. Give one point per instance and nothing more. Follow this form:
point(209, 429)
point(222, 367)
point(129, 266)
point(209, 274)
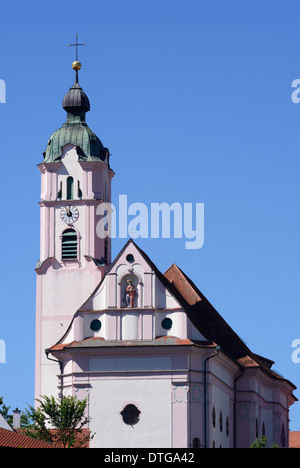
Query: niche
point(129, 291)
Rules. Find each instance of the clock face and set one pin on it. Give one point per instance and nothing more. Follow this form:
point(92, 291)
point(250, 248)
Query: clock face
point(69, 214)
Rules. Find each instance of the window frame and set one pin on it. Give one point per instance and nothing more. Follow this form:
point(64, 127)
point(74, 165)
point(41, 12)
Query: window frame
point(63, 237)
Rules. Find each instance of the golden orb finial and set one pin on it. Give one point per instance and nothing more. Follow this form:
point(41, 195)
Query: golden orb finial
point(76, 65)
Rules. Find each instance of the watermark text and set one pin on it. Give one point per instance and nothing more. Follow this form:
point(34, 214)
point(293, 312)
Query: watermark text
point(296, 353)
point(2, 92)
point(2, 352)
point(160, 220)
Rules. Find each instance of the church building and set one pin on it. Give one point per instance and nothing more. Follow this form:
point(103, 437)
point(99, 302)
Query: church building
point(159, 366)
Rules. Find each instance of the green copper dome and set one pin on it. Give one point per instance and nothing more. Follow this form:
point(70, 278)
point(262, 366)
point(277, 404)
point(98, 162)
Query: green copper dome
point(75, 131)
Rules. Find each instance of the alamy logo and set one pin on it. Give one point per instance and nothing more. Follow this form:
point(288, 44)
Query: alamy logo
point(2, 352)
point(2, 92)
point(161, 220)
point(296, 353)
point(296, 94)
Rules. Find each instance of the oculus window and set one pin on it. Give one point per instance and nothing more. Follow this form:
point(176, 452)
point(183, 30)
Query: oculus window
point(130, 415)
point(167, 324)
point(96, 325)
point(130, 258)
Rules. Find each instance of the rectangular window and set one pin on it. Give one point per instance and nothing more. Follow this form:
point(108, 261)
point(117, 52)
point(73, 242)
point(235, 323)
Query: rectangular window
point(69, 245)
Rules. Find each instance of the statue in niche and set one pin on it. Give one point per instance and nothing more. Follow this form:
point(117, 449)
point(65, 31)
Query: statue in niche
point(130, 294)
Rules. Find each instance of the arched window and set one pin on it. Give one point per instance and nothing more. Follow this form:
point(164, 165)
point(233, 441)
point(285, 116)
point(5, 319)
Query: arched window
point(221, 421)
point(70, 188)
point(214, 417)
point(79, 191)
point(283, 439)
point(227, 426)
point(59, 193)
point(69, 245)
point(196, 442)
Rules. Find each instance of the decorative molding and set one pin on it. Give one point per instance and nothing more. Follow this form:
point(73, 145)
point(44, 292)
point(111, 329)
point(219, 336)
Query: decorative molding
point(180, 394)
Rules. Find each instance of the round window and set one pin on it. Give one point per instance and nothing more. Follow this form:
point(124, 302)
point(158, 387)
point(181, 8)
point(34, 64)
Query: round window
point(167, 324)
point(130, 415)
point(96, 325)
point(130, 258)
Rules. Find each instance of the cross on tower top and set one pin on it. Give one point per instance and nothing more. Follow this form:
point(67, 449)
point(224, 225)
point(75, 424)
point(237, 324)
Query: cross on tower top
point(76, 65)
point(76, 45)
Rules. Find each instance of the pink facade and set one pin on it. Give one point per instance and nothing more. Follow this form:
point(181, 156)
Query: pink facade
point(196, 392)
point(62, 283)
point(157, 363)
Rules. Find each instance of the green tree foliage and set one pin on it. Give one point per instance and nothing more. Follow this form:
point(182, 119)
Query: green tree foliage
point(4, 410)
point(7, 415)
point(59, 421)
point(262, 442)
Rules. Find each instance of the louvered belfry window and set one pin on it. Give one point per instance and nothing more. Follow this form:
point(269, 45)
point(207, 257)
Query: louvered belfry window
point(69, 245)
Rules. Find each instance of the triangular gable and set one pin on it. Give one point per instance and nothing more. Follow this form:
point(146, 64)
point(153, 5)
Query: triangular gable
point(87, 303)
point(154, 292)
point(185, 295)
point(143, 268)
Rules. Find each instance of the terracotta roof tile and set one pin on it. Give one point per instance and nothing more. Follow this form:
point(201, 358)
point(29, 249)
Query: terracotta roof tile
point(209, 322)
point(247, 361)
point(294, 439)
point(183, 286)
point(11, 439)
point(204, 316)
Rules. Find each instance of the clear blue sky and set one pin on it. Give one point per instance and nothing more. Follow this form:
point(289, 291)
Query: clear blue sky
point(193, 99)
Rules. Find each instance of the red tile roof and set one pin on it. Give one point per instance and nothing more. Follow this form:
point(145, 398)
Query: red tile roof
point(11, 439)
point(294, 439)
point(209, 322)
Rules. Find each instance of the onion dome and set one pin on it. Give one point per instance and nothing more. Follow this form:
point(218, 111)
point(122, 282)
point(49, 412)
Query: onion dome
point(75, 130)
point(76, 100)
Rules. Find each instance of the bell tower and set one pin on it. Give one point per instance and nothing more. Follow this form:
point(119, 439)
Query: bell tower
point(75, 179)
